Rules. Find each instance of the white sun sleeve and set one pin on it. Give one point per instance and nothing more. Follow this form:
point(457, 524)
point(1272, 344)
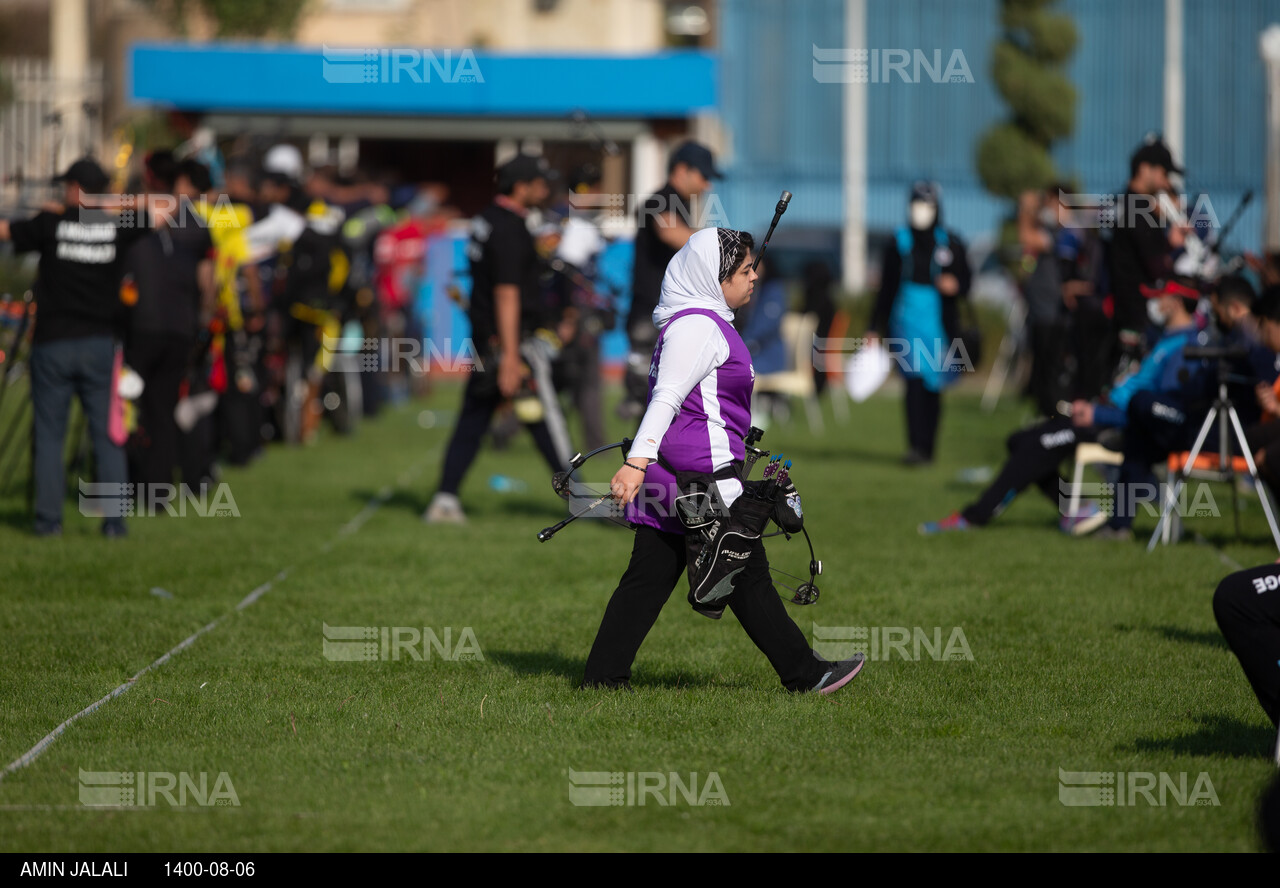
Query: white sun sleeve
point(280, 225)
point(692, 346)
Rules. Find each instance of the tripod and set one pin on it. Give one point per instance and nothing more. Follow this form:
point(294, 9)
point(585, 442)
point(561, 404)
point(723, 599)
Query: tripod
point(1223, 413)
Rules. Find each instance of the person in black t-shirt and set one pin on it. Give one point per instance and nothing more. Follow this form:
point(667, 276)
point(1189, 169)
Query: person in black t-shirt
point(1142, 243)
point(73, 347)
point(172, 270)
point(666, 221)
point(506, 306)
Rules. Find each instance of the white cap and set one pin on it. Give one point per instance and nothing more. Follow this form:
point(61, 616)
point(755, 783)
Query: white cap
point(284, 160)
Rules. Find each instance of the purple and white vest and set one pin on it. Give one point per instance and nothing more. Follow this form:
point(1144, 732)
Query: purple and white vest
point(706, 434)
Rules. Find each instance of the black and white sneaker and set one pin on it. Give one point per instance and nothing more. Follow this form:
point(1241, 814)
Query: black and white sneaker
point(840, 674)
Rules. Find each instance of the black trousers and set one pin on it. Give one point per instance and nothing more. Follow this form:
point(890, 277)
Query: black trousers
point(240, 423)
point(161, 360)
point(1048, 357)
point(1246, 605)
point(924, 411)
point(656, 568)
point(473, 422)
point(1158, 425)
point(1034, 456)
point(1090, 341)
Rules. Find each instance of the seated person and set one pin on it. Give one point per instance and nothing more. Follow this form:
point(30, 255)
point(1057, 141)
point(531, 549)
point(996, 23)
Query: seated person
point(1233, 301)
point(1160, 425)
point(1036, 452)
point(1166, 420)
point(1263, 436)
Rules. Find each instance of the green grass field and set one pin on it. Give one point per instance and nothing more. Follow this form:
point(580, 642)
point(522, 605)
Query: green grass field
point(1086, 656)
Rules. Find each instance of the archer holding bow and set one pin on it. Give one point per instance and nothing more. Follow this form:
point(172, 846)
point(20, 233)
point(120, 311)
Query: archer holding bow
point(700, 382)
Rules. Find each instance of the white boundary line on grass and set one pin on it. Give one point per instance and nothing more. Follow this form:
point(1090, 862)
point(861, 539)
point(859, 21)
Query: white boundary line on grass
point(351, 527)
point(1222, 556)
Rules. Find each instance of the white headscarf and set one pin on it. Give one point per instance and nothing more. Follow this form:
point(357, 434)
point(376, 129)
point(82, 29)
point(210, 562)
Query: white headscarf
point(693, 279)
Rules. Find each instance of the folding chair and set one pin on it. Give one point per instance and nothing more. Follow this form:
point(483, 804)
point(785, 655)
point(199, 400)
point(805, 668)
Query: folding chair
point(1089, 455)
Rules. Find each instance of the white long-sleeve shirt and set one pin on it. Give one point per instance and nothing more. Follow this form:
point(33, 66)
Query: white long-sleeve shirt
point(692, 347)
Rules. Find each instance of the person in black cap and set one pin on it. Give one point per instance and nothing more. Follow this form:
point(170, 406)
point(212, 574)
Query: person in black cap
point(667, 220)
point(923, 273)
point(74, 343)
point(506, 306)
point(1141, 243)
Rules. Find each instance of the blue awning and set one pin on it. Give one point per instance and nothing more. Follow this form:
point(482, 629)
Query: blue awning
point(382, 81)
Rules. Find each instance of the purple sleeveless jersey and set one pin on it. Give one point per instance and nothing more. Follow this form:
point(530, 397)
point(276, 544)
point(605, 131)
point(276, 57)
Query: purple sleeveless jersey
point(706, 434)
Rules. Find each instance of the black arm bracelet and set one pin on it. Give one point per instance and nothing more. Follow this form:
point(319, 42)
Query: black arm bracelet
point(626, 462)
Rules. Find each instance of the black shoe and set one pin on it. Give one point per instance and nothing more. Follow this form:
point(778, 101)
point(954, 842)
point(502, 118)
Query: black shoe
point(114, 531)
point(916, 458)
point(54, 531)
point(839, 674)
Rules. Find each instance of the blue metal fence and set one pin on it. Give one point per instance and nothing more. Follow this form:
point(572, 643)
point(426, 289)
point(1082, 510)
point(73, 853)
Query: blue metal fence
point(785, 127)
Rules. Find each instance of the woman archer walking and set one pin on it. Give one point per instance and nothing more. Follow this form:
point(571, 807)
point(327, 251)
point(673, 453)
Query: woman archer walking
point(699, 411)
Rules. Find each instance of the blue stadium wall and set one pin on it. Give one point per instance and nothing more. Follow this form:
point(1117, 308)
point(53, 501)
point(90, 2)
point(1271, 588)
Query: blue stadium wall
point(785, 127)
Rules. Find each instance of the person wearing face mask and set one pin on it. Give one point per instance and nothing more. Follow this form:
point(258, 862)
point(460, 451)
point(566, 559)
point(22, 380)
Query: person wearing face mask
point(1142, 243)
point(923, 272)
point(1036, 452)
point(1168, 400)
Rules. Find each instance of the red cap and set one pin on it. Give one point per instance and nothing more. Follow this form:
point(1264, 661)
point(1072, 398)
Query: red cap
point(1169, 288)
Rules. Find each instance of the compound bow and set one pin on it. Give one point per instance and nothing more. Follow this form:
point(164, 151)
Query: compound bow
point(585, 498)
